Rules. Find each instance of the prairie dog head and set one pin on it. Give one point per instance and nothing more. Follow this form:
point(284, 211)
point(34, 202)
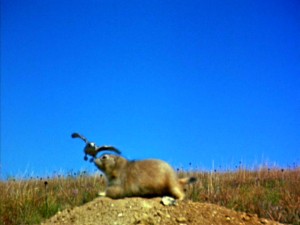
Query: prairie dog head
point(110, 164)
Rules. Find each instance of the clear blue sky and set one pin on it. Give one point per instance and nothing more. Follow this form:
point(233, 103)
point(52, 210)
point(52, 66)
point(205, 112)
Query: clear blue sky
point(210, 83)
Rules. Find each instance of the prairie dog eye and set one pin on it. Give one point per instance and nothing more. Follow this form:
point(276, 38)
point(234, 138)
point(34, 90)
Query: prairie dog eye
point(105, 157)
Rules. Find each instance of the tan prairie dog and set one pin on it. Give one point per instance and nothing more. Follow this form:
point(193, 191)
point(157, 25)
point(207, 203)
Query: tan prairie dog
point(145, 178)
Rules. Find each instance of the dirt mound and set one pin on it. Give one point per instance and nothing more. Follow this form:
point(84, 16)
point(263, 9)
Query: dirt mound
point(140, 211)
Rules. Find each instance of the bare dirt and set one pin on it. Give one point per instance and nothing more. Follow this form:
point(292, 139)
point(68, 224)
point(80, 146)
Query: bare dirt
point(141, 211)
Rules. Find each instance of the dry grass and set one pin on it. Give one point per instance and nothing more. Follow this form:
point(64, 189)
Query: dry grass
point(270, 193)
point(31, 201)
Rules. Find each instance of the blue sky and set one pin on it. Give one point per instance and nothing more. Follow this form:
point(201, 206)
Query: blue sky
point(210, 83)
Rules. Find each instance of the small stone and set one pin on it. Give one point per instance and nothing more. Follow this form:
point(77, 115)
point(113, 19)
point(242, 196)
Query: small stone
point(264, 221)
point(146, 205)
point(120, 214)
point(145, 215)
point(168, 201)
point(245, 217)
point(159, 213)
point(181, 219)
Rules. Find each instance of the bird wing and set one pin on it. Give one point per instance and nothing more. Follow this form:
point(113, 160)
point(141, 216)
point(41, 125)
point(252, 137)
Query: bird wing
point(76, 135)
point(108, 148)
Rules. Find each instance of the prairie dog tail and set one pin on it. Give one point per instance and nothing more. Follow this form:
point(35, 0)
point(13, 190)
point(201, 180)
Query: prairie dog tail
point(187, 180)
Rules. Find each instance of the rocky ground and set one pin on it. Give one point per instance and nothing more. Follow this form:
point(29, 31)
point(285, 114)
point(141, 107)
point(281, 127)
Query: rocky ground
point(141, 211)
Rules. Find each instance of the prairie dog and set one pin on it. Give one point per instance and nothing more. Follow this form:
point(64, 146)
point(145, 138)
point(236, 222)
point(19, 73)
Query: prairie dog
point(145, 178)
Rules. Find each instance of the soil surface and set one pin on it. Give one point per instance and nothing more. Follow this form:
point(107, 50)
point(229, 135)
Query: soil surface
point(141, 211)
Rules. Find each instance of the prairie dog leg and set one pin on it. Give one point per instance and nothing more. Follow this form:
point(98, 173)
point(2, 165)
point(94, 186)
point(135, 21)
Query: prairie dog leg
point(114, 192)
point(177, 193)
